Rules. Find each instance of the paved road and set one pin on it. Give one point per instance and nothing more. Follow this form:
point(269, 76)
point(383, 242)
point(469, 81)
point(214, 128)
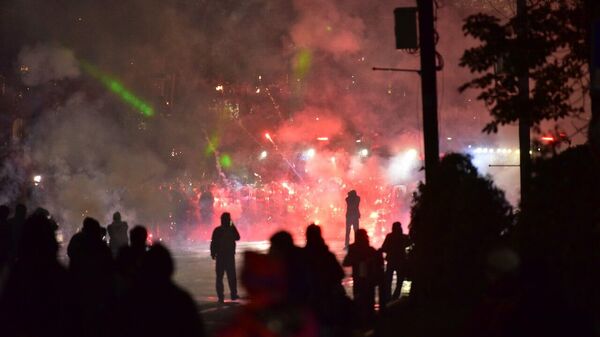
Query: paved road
point(195, 273)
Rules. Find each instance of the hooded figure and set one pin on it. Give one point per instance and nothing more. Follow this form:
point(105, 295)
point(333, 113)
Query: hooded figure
point(352, 215)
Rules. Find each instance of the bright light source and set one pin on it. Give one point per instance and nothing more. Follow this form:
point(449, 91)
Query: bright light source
point(263, 155)
point(548, 138)
point(403, 165)
point(219, 87)
point(310, 153)
point(323, 139)
point(359, 141)
point(333, 160)
point(363, 152)
point(37, 179)
point(258, 90)
point(412, 153)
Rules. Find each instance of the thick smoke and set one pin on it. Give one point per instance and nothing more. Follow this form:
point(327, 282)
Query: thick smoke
point(44, 64)
point(220, 75)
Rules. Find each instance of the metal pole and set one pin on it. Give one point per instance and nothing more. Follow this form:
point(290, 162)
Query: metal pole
point(428, 85)
point(524, 113)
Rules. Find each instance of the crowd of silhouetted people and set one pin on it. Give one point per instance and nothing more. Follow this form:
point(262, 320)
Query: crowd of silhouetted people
point(119, 289)
point(116, 284)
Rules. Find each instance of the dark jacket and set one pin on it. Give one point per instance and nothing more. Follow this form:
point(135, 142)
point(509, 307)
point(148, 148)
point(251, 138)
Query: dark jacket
point(352, 207)
point(223, 240)
point(394, 247)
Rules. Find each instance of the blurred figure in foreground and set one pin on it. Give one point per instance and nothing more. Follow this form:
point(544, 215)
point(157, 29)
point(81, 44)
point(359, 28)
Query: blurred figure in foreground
point(295, 265)
point(352, 215)
point(37, 299)
point(394, 246)
point(155, 306)
point(222, 249)
point(117, 234)
point(366, 274)
point(130, 258)
point(327, 297)
point(91, 267)
point(5, 240)
point(268, 312)
point(15, 225)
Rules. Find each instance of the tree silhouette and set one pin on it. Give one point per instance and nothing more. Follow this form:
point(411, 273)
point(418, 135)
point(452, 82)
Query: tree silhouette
point(457, 219)
point(555, 52)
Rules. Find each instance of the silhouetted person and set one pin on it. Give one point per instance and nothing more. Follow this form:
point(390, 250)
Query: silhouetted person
point(222, 249)
point(326, 272)
point(366, 275)
point(207, 208)
point(5, 239)
point(117, 234)
point(296, 268)
point(16, 227)
point(91, 265)
point(394, 246)
point(87, 250)
point(327, 297)
point(130, 258)
point(352, 215)
point(155, 306)
point(37, 298)
point(268, 312)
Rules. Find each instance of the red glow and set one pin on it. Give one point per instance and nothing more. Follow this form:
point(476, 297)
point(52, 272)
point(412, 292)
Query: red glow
point(548, 138)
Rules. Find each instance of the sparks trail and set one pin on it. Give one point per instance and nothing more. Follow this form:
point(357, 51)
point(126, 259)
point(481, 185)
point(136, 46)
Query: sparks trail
point(291, 166)
point(275, 105)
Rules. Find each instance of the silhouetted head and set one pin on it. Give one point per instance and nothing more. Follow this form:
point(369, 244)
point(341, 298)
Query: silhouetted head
point(225, 219)
point(116, 216)
point(397, 227)
point(281, 243)
point(313, 235)
point(92, 227)
point(138, 236)
point(157, 264)
point(352, 193)
point(4, 211)
point(44, 213)
point(362, 238)
point(20, 211)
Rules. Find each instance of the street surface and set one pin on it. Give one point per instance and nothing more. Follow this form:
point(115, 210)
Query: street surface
point(194, 271)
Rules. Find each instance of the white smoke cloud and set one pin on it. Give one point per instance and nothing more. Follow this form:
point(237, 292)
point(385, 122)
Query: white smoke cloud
point(43, 63)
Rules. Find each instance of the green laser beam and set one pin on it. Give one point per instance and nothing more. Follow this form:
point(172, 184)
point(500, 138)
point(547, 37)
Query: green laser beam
point(119, 89)
point(225, 160)
point(302, 63)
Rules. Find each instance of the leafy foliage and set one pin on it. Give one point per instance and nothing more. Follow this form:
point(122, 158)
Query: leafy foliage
point(456, 219)
point(553, 50)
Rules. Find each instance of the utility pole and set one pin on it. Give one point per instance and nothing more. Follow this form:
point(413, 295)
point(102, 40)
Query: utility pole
point(524, 113)
point(428, 86)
